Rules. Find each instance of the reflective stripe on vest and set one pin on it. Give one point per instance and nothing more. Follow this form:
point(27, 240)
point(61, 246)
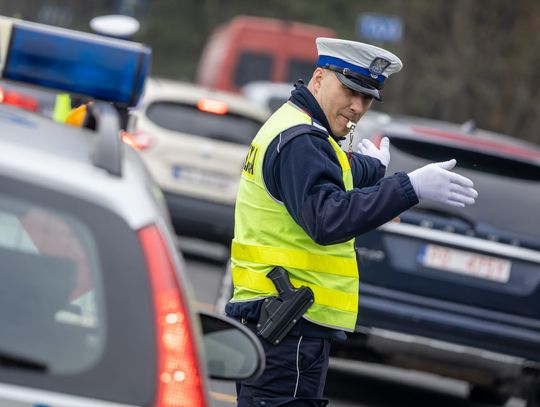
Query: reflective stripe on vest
point(266, 236)
point(295, 258)
point(325, 296)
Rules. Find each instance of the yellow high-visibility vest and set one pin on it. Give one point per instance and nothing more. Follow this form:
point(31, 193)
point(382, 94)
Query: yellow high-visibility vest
point(62, 107)
point(266, 236)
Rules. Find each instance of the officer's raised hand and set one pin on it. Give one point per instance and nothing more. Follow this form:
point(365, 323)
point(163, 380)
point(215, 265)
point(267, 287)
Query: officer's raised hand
point(437, 183)
point(382, 154)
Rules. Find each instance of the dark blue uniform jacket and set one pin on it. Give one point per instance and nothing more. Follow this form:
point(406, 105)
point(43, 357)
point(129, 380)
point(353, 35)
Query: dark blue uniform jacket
point(304, 173)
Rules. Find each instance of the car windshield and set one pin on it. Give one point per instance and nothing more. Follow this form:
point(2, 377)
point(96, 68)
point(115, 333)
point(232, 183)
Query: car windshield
point(186, 118)
point(253, 66)
point(49, 289)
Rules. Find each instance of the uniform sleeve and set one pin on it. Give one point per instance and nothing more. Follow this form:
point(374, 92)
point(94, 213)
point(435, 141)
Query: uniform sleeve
point(306, 176)
point(366, 170)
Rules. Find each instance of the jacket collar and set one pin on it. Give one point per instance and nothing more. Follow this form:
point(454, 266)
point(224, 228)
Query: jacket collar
point(304, 100)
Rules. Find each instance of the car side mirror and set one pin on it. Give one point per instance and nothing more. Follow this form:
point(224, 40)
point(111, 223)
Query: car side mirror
point(233, 352)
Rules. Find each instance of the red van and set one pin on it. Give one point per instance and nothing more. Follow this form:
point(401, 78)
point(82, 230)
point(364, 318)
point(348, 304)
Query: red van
point(248, 49)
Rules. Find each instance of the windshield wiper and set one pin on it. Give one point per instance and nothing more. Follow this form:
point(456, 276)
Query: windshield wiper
point(9, 360)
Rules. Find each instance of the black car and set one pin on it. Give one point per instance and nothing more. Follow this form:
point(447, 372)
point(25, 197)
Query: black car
point(456, 292)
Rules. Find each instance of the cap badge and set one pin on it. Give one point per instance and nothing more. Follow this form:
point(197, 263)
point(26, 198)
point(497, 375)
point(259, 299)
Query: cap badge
point(377, 67)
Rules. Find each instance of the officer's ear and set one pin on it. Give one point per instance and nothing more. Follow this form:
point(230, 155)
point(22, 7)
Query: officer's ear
point(316, 80)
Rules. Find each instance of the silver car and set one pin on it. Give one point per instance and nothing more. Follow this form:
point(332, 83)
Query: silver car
point(194, 142)
point(95, 307)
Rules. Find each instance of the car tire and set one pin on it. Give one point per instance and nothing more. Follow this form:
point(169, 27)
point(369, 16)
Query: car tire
point(488, 395)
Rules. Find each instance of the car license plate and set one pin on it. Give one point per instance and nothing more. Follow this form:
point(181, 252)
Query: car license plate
point(200, 177)
point(462, 262)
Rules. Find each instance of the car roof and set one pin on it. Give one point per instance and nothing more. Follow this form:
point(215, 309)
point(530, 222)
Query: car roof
point(36, 150)
point(178, 91)
point(464, 136)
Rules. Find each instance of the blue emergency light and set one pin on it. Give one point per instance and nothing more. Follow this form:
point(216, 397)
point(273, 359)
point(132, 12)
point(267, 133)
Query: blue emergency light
point(81, 63)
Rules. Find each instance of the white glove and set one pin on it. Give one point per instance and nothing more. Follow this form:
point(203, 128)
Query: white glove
point(366, 147)
point(436, 182)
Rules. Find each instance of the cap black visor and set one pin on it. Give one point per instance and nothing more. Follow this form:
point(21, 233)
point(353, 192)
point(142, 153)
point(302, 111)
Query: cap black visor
point(358, 86)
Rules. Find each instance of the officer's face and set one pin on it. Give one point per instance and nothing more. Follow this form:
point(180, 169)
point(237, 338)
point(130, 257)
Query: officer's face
point(339, 103)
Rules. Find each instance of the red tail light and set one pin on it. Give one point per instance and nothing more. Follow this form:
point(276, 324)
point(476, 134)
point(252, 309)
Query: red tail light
point(19, 100)
point(137, 139)
point(179, 375)
point(213, 106)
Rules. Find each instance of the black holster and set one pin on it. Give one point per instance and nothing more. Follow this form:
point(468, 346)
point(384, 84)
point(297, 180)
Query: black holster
point(279, 314)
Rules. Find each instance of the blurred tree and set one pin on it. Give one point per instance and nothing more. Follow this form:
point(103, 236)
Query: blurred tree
point(475, 59)
point(463, 59)
point(64, 13)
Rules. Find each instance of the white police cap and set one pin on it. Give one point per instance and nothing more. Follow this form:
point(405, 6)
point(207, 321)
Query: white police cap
point(361, 67)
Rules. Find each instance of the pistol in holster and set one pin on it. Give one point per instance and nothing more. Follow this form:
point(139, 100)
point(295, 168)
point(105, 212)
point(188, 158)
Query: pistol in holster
point(279, 314)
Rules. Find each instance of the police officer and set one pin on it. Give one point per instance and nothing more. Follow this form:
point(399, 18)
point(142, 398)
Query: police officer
point(301, 203)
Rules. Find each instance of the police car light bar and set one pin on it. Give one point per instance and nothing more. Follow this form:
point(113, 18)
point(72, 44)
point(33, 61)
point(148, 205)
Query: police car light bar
point(87, 64)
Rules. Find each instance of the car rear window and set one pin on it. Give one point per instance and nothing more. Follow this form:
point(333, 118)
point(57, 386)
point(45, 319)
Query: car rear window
point(508, 187)
point(49, 283)
point(252, 66)
point(299, 69)
point(189, 119)
point(75, 303)
point(474, 160)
